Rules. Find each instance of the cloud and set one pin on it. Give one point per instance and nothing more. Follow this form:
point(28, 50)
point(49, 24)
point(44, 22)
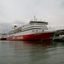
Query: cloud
point(5, 27)
point(62, 5)
point(22, 11)
point(19, 23)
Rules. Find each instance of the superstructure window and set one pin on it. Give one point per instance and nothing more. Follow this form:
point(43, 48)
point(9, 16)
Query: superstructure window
point(38, 22)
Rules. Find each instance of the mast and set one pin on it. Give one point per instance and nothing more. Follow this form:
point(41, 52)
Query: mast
point(35, 18)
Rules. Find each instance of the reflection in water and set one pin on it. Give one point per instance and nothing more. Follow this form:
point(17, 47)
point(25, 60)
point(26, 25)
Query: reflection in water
point(29, 52)
point(22, 52)
point(38, 51)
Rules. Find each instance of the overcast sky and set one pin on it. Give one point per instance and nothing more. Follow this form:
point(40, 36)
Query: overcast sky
point(22, 11)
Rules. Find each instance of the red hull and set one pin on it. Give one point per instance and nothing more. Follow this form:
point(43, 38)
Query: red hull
point(42, 36)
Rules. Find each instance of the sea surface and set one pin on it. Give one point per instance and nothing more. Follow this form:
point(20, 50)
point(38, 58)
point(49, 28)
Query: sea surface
point(31, 52)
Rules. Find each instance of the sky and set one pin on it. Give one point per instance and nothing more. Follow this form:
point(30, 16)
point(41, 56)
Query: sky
point(22, 11)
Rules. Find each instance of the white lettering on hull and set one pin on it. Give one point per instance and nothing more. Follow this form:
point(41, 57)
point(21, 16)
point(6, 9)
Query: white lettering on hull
point(17, 37)
point(13, 37)
point(20, 37)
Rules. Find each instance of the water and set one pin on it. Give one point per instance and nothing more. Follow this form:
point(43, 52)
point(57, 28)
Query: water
point(22, 52)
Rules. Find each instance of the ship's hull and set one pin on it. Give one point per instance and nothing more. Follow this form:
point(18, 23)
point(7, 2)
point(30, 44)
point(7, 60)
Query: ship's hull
point(30, 37)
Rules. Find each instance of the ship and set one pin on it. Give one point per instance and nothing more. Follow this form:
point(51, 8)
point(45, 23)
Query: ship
point(3, 36)
point(35, 30)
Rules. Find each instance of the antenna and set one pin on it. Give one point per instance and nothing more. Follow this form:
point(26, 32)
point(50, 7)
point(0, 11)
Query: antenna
point(35, 18)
